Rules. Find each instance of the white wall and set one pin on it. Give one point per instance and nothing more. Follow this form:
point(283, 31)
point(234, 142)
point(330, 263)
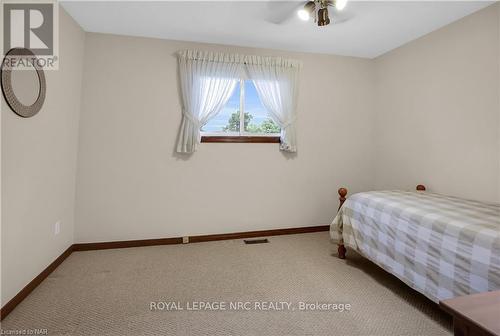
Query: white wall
point(498, 13)
point(438, 111)
point(424, 113)
point(39, 169)
point(132, 186)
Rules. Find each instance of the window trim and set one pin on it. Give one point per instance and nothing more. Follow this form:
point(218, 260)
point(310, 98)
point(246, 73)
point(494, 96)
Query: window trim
point(241, 136)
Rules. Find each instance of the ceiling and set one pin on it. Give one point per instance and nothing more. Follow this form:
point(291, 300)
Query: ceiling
point(373, 27)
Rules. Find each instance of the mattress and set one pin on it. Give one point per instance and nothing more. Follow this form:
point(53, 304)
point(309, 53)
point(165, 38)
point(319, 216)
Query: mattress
point(439, 245)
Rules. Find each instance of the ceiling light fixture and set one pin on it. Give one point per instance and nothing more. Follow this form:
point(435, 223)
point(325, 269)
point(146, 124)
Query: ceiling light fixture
point(305, 13)
point(323, 18)
point(318, 9)
point(340, 4)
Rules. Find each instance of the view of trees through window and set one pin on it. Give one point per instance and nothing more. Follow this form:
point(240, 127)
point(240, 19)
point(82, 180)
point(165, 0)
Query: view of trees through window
point(256, 118)
point(267, 126)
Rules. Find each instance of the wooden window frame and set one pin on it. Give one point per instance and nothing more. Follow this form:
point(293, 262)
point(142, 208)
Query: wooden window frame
point(241, 137)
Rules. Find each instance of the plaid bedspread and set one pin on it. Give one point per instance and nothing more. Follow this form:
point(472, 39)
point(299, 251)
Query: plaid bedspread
point(441, 246)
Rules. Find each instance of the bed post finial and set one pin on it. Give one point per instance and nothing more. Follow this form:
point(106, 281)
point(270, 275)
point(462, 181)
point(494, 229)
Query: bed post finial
point(341, 249)
point(421, 187)
point(342, 194)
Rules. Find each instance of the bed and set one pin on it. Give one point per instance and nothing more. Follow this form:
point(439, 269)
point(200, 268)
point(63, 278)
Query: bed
point(441, 246)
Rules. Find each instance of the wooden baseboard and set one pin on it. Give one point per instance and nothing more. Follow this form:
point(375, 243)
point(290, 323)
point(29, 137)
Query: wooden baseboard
point(125, 244)
point(261, 233)
point(9, 306)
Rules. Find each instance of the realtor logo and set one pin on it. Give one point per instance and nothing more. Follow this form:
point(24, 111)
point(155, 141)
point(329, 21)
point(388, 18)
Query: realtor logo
point(31, 25)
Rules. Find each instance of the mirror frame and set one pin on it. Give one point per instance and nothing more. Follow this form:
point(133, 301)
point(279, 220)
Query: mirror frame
point(25, 111)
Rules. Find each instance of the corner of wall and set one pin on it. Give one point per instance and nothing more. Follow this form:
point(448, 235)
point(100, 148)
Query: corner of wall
point(498, 19)
point(374, 145)
point(78, 135)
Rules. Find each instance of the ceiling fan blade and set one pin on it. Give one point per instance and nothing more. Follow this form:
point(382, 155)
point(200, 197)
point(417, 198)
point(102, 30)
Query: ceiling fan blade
point(279, 12)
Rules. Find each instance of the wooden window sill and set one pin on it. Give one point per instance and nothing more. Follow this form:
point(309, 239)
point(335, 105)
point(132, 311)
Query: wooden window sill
point(240, 139)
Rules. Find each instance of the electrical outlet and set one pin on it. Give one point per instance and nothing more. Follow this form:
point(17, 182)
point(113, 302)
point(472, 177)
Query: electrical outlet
point(185, 240)
point(57, 228)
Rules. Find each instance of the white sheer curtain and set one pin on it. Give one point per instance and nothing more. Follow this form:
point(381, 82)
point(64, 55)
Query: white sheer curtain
point(276, 81)
point(207, 81)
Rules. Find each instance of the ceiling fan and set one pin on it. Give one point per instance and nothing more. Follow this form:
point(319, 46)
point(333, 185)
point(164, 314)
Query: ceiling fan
point(318, 9)
point(322, 12)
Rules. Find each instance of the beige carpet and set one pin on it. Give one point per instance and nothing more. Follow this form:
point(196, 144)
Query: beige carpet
point(109, 292)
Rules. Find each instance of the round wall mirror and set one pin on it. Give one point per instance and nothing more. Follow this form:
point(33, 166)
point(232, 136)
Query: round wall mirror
point(26, 86)
point(23, 86)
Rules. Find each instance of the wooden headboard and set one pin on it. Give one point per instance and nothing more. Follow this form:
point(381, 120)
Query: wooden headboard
point(343, 193)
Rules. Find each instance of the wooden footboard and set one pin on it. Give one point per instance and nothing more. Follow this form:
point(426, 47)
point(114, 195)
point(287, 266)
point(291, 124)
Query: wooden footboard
point(343, 193)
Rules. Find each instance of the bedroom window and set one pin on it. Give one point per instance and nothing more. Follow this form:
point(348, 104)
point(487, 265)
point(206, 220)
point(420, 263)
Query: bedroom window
point(243, 119)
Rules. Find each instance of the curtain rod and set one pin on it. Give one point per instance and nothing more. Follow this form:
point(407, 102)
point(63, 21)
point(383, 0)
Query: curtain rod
point(291, 62)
